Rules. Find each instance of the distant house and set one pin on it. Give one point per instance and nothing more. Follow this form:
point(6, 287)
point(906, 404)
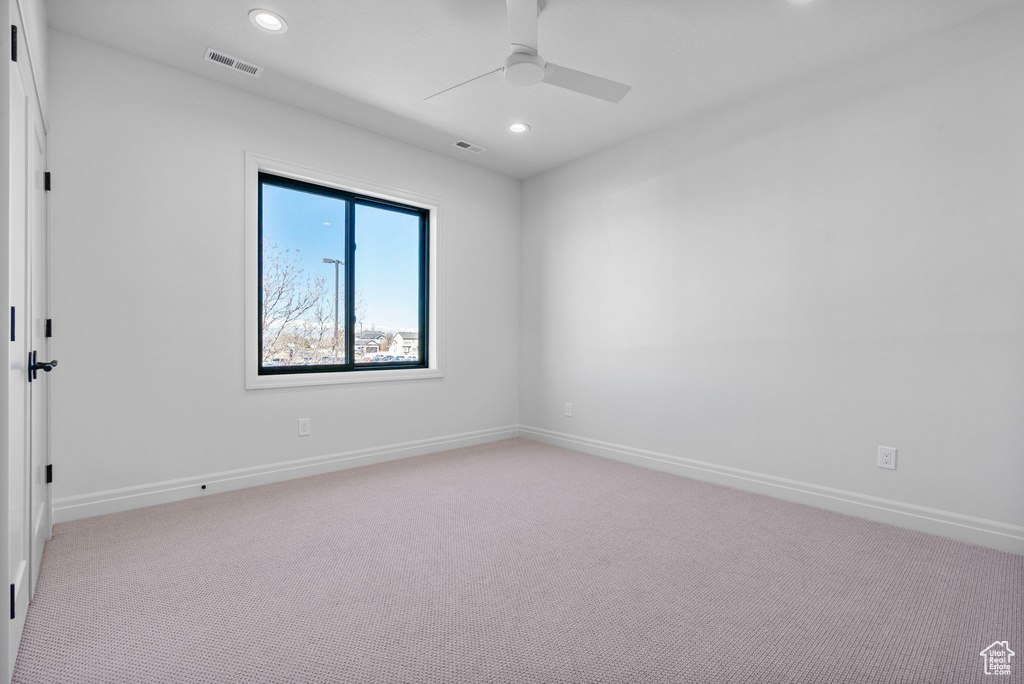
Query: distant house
point(368, 342)
point(406, 343)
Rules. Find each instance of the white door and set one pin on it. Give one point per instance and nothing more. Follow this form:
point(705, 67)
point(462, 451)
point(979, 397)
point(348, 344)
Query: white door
point(27, 498)
point(39, 341)
point(18, 456)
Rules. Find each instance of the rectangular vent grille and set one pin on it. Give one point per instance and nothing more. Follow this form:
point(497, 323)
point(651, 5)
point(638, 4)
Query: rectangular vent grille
point(233, 63)
point(475, 149)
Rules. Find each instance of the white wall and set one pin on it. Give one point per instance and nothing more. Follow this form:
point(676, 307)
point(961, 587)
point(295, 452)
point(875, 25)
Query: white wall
point(148, 290)
point(778, 287)
point(785, 285)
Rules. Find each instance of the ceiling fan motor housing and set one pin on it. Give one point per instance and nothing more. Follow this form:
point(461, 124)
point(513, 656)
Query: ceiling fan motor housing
point(524, 68)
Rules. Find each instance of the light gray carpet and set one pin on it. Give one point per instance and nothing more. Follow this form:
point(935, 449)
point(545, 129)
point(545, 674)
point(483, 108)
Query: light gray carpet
point(511, 562)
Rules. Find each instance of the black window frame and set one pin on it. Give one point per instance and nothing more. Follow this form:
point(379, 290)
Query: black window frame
point(352, 200)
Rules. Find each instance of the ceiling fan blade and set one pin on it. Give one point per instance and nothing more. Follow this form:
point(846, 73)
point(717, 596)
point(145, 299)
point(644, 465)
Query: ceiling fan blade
point(522, 23)
point(483, 78)
point(595, 86)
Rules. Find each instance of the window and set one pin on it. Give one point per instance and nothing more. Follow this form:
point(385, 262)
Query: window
point(342, 284)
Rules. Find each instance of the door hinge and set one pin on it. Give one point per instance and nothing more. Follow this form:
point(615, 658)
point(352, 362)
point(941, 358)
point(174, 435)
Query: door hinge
point(14, 43)
point(46, 181)
point(12, 601)
point(12, 324)
point(49, 327)
point(49, 473)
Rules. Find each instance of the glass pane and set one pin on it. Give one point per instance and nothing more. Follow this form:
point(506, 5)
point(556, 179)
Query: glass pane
point(303, 317)
point(387, 277)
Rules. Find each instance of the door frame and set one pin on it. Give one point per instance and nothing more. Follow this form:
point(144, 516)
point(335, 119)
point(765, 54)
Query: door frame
point(5, 296)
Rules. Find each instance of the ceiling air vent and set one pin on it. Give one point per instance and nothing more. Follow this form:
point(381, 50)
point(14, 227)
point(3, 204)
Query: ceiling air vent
point(475, 149)
point(232, 63)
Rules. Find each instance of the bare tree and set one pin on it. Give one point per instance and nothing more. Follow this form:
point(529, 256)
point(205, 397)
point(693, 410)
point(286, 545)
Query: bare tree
point(288, 295)
point(316, 332)
point(360, 310)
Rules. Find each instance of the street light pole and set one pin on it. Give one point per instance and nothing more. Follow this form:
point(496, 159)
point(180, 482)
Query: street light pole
point(337, 316)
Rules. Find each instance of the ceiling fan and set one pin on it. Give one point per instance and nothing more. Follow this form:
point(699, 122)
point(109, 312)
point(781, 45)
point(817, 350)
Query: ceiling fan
point(525, 66)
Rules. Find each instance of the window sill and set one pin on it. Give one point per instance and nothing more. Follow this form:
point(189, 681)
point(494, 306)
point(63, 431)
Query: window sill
point(255, 381)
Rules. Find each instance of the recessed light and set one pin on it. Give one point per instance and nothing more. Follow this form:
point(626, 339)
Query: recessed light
point(268, 21)
point(519, 127)
point(326, 223)
point(799, 2)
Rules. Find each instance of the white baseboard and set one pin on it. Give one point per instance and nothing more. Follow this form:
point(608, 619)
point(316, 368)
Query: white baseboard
point(988, 533)
point(127, 498)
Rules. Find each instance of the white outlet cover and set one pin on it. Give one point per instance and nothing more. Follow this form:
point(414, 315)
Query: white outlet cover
point(303, 427)
point(568, 409)
point(887, 457)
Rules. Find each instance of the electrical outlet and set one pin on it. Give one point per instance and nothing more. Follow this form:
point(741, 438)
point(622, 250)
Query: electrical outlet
point(303, 427)
point(887, 457)
point(568, 409)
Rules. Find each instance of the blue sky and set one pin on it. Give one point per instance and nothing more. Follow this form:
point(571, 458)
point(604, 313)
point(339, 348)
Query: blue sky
point(387, 252)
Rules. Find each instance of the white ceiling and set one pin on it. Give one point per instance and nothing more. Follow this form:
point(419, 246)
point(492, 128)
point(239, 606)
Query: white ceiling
point(371, 62)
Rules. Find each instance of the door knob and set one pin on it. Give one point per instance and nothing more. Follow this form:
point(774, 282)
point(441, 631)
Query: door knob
point(35, 366)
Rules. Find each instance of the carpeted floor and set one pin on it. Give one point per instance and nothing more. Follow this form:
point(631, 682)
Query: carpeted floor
point(511, 562)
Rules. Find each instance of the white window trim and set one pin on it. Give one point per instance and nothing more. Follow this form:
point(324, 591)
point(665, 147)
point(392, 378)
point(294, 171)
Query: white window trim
point(254, 164)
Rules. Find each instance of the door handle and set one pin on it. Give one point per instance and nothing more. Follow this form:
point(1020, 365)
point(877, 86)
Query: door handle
point(35, 366)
